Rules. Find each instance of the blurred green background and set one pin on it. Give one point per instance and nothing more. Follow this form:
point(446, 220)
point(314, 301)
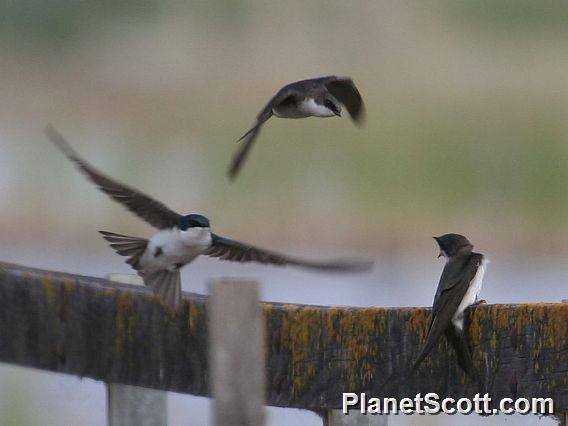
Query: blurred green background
point(466, 132)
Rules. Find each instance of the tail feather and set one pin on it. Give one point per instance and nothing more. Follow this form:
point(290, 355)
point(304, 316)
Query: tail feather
point(166, 285)
point(252, 129)
point(243, 151)
point(124, 245)
point(458, 340)
point(418, 361)
point(434, 334)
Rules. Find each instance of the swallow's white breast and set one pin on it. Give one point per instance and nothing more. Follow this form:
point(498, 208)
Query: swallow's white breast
point(172, 247)
point(304, 108)
point(471, 294)
point(312, 108)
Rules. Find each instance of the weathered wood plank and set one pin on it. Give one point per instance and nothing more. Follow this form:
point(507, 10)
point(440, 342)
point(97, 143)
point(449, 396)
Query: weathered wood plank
point(119, 333)
point(237, 362)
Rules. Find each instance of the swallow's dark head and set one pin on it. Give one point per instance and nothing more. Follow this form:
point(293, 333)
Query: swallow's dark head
point(332, 105)
point(193, 221)
point(453, 244)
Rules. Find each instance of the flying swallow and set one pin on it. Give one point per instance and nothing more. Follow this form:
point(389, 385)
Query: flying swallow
point(181, 238)
point(316, 97)
point(458, 288)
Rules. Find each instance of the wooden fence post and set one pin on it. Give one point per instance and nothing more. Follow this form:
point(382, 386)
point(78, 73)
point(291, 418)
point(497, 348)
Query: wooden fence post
point(132, 405)
point(337, 418)
point(237, 355)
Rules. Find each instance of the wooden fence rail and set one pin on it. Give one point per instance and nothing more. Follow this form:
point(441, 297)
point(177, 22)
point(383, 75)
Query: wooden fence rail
point(121, 334)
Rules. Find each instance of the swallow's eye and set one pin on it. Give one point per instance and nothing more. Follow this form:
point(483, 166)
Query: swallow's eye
point(330, 105)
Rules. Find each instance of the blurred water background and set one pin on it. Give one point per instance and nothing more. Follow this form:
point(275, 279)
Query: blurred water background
point(465, 132)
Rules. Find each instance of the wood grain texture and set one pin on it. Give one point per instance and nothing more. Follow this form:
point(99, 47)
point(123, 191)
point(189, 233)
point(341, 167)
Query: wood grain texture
point(236, 342)
point(133, 405)
point(119, 333)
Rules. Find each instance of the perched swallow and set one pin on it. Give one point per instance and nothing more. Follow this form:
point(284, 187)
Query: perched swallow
point(181, 238)
point(317, 97)
point(458, 288)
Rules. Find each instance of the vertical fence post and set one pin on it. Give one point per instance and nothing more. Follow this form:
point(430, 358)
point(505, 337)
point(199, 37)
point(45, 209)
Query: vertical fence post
point(236, 355)
point(337, 418)
point(131, 405)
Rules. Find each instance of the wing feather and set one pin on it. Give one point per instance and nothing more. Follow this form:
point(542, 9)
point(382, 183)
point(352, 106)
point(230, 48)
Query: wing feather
point(145, 207)
point(451, 290)
point(347, 93)
point(227, 249)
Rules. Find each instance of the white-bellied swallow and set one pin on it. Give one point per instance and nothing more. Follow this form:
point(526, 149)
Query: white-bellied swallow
point(458, 288)
point(181, 238)
point(316, 97)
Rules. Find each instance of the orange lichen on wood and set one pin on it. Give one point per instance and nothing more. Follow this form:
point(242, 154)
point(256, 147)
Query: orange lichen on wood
point(357, 327)
point(125, 320)
point(194, 317)
point(50, 289)
point(300, 333)
point(418, 322)
point(122, 334)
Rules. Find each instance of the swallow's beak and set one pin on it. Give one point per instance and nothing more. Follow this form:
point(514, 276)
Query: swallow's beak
point(441, 251)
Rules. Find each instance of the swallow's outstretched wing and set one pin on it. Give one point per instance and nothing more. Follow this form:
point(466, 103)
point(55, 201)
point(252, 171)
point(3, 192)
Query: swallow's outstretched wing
point(227, 249)
point(345, 91)
point(145, 207)
point(453, 285)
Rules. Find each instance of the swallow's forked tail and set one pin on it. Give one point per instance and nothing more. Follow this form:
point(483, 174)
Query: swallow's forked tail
point(436, 330)
point(165, 284)
point(243, 151)
point(458, 340)
point(249, 131)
